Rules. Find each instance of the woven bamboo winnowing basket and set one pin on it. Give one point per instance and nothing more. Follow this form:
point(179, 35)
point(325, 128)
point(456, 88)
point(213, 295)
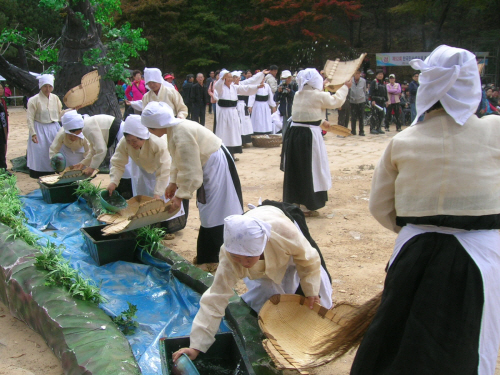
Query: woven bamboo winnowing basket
point(337, 72)
point(293, 330)
point(86, 93)
point(267, 140)
point(338, 130)
point(66, 176)
point(140, 212)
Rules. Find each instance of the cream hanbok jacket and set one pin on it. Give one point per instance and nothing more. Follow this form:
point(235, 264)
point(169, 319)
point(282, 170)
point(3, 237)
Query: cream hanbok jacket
point(286, 241)
point(43, 110)
point(61, 139)
point(190, 145)
point(153, 157)
point(96, 131)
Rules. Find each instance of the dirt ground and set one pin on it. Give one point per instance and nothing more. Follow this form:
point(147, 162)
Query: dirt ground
point(355, 247)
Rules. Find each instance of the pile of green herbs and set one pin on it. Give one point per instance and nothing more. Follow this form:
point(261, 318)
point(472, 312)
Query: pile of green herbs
point(60, 272)
point(149, 238)
point(92, 194)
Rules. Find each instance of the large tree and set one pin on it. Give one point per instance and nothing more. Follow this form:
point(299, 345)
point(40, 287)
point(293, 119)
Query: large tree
point(301, 33)
point(83, 51)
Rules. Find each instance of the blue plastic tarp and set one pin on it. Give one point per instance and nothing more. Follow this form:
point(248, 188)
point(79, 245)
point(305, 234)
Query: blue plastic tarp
point(166, 307)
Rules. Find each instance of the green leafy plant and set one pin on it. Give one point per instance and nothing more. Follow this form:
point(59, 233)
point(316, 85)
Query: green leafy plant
point(149, 238)
point(125, 321)
point(87, 188)
point(49, 258)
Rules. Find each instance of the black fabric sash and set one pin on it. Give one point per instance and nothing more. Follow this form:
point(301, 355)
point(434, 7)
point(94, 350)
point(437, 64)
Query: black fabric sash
point(244, 98)
point(113, 131)
point(315, 123)
point(261, 98)
point(227, 103)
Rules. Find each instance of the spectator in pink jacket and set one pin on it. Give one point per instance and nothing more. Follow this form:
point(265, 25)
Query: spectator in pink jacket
point(393, 107)
point(138, 87)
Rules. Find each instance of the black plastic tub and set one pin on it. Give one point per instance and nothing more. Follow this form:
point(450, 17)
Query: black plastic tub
point(59, 193)
point(225, 356)
point(107, 249)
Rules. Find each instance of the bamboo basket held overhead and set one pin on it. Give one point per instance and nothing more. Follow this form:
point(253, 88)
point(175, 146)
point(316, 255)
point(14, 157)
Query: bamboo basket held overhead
point(337, 72)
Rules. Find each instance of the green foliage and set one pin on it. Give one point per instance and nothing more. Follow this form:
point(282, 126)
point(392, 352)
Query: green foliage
point(49, 257)
point(125, 321)
point(122, 44)
point(149, 238)
point(87, 188)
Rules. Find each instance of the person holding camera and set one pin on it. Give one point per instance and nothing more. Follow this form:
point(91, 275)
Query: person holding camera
point(378, 99)
point(284, 95)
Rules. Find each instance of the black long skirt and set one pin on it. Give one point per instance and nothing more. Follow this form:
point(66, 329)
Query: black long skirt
point(298, 185)
point(211, 239)
point(429, 320)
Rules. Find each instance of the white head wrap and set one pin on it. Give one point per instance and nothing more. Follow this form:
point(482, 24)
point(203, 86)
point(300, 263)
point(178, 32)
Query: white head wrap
point(223, 72)
point(236, 73)
point(449, 75)
point(134, 127)
point(45, 79)
point(158, 115)
point(246, 235)
point(154, 75)
point(311, 77)
point(72, 120)
point(285, 74)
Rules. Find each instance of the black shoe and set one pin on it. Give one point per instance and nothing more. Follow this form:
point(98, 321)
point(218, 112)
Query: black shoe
point(380, 131)
point(373, 131)
point(387, 129)
point(353, 132)
point(361, 134)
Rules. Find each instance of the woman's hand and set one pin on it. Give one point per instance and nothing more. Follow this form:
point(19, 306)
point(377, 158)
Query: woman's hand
point(78, 167)
point(348, 83)
point(190, 352)
point(311, 300)
point(176, 204)
point(111, 188)
point(250, 110)
point(170, 191)
point(156, 196)
point(88, 171)
point(325, 125)
point(34, 138)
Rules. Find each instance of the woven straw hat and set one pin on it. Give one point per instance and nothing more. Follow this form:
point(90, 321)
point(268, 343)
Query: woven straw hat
point(86, 93)
point(293, 330)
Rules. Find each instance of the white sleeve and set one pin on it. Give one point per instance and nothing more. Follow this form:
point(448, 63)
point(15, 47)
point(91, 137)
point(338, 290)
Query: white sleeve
point(137, 105)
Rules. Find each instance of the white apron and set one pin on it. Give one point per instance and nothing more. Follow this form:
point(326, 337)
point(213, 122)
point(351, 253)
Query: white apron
point(228, 126)
point(261, 118)
point(143, 183)
point(322, 179)
point(38, 153)
point(260, 290)
point(72, 157)
point(221, 197)
point(484, 248)
point(246, 122)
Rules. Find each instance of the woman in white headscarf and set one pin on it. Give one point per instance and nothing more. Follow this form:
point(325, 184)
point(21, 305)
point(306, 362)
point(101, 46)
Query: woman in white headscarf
point(307, 171)
point(69, 140)
point(228, 122)
point(99, 131)
point(269, 252)
point(437, 185)
point(201, 163)
point(160, 91)
point(148, 152)
point(44, 111)
point(261, 106)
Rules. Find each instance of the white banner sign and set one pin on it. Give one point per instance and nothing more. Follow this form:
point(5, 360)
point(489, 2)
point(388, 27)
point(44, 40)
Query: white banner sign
point(404, 58)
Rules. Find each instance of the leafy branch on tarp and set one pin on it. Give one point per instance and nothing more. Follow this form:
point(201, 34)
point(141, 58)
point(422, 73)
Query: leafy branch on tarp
point(125, 321)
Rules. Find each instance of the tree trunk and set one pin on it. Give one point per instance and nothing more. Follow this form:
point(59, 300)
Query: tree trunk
point(21, 55)
point(76, 40)
point(19, 77)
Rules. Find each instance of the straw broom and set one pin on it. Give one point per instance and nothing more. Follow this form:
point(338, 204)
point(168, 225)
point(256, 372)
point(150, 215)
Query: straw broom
point(350, 334)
